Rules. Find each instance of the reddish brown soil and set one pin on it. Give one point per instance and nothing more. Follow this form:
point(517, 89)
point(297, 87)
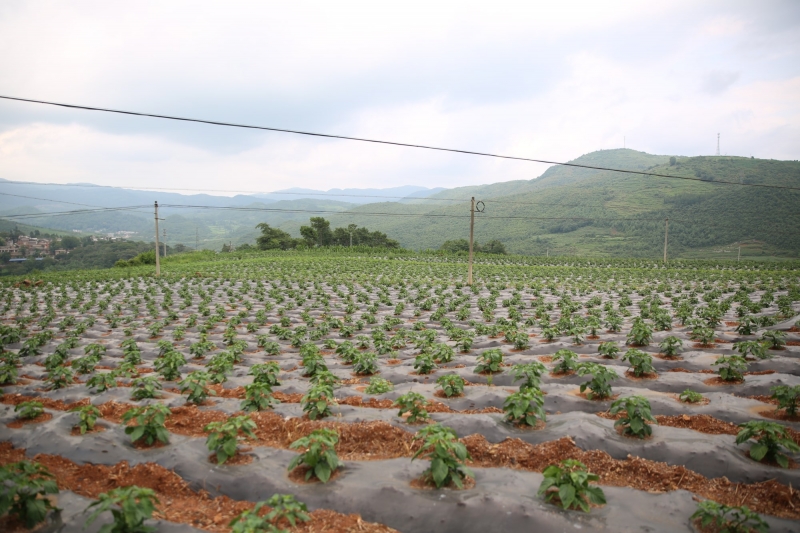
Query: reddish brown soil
point(546, 358)
point(18, 423)
point(426, 483)
point(792, 343)
point(759, 373)
point(76, 431)
point(779, 414)
point(298, 475)
point(594, 398)
point(731, 324)
point(701, 345)
point(47, 403)
point(643, 377)
point(236, 460)
point(441, 394)
point(718, 381)
point(562, 374)
point(178, 502)
point(668, 357)
point(704, 401)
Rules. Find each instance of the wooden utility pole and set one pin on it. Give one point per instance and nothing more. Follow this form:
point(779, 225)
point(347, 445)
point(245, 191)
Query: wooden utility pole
point(666, 237)
point(158, 261)
point(471, 235)
point(739, 256)
point(195, 239)
point(165, 242)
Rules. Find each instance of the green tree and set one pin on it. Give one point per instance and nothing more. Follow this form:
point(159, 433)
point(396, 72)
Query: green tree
point(274, 238)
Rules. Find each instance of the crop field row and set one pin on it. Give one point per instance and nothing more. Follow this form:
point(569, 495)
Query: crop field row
point(344, 393)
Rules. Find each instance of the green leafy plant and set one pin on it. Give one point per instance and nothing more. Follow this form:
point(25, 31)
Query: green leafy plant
point(641, 333)
point(641, 362)
point(59, 377)
point(147, 423)
point(636, 414)
point(566, 362)
point(490, 362)
point(770, 439)
point(690, 396)
point(569, 483)
point(451, 385)
point(8, 374)
point(442, 353)
point(145, 387)
point(29, 410)
point(24, 487)
point(447, 455)
point(319, 455)
point(414, 404)
point(424, 363)
point(525, 407)
point(600, 384)
point(608, 349)
point(774, 338)
point(757, 349)
point(130, 507)
point(788, 397)
point(365, 364)
point(529, 373)
point(195, 386)
point(169, 365)
point(725, 519)
point(731, 367)
point(671, 346)
point(223, 438)
point(266, 373)
point(285, 506)
point(318, 400)
point(379, 386)
point(102, 381)
point(257, 397)
point(87, 417)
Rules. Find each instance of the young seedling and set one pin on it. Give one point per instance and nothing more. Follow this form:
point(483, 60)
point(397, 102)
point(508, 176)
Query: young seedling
point(318, 400)
point(447, 455)
point(725, 519)
point(566, 362)
point(608, 349)
point(223, 438)
point(704, 336)
point(788, 397)
point(102, 381)
point(525, 407)
point(568, 482)
point(529, 373)
point(59, 377)
point(671, 346)
point(641, 333)
point(641, 362)
point(442, 353)
point(731, 368)
point(87, 417)
point(148, 423)
point(414, 404)
point(757, 349)
point(8, 374)
point(130, 507)
point(451, 385)
point(774, 339)
point(195, 386)
point(320, 455)
point(690, 396)
point(379, 386)
point(169, 365)
point(600, 384)
point(266, 373)
point(24, 487)
point(285, 506)
point(770, 439)
point(365, 364)
point(29, 410)
point(145, 387)
point(424, 363)
point(636, 411)
point(257, 397)
point(490, 362)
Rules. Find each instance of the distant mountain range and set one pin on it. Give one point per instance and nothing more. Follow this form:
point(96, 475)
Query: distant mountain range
point(566, 210)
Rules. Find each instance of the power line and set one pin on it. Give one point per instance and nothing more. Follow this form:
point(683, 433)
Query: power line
point(45, 199)
point(393, 143)
point(77, 212)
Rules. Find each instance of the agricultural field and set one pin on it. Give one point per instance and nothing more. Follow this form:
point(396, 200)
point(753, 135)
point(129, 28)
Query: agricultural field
point(305, 392)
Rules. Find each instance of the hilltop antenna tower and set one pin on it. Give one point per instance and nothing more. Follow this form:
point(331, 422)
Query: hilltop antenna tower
point(717, 143)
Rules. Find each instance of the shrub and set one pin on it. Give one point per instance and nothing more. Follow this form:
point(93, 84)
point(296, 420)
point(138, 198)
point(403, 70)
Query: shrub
point(87, 417)
point(447, 455)
point(690, 396)
point(525, 407)
point(223, 438)
point(600, 384)
point(24, 487)
point(490, 361)
point(770, 439)
point(148, 423)
point(787, 397)
point(414, 404)
point(529, 373)
point(569, 482)
point(195, 386)
point(29, 410)
point(257, 397)
point(379, 386)
point(641, 362)
point(320, 456)
point(609, 349)
point(566, 361)
point(317, 401)
point(636, 411)
point(731, 368)
point(670, 346)
point(130, 507)
point(725, 519)
point(451, 385)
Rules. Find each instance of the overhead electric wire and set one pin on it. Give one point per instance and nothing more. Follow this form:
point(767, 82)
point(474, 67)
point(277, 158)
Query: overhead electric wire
point(46, 199)
point(392, 143)
point(77, 212)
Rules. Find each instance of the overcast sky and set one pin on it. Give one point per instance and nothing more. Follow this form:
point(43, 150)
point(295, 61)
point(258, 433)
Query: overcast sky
point(550, 80)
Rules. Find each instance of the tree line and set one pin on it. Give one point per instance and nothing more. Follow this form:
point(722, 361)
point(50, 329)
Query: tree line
point(318, 234)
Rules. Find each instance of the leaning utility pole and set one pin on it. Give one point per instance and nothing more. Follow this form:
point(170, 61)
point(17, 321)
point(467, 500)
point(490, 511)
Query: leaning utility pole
point(158, 261)
point(471, 235)
point(666, 237)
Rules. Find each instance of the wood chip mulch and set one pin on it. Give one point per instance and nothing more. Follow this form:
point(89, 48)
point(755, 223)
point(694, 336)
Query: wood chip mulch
point(178, 502)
